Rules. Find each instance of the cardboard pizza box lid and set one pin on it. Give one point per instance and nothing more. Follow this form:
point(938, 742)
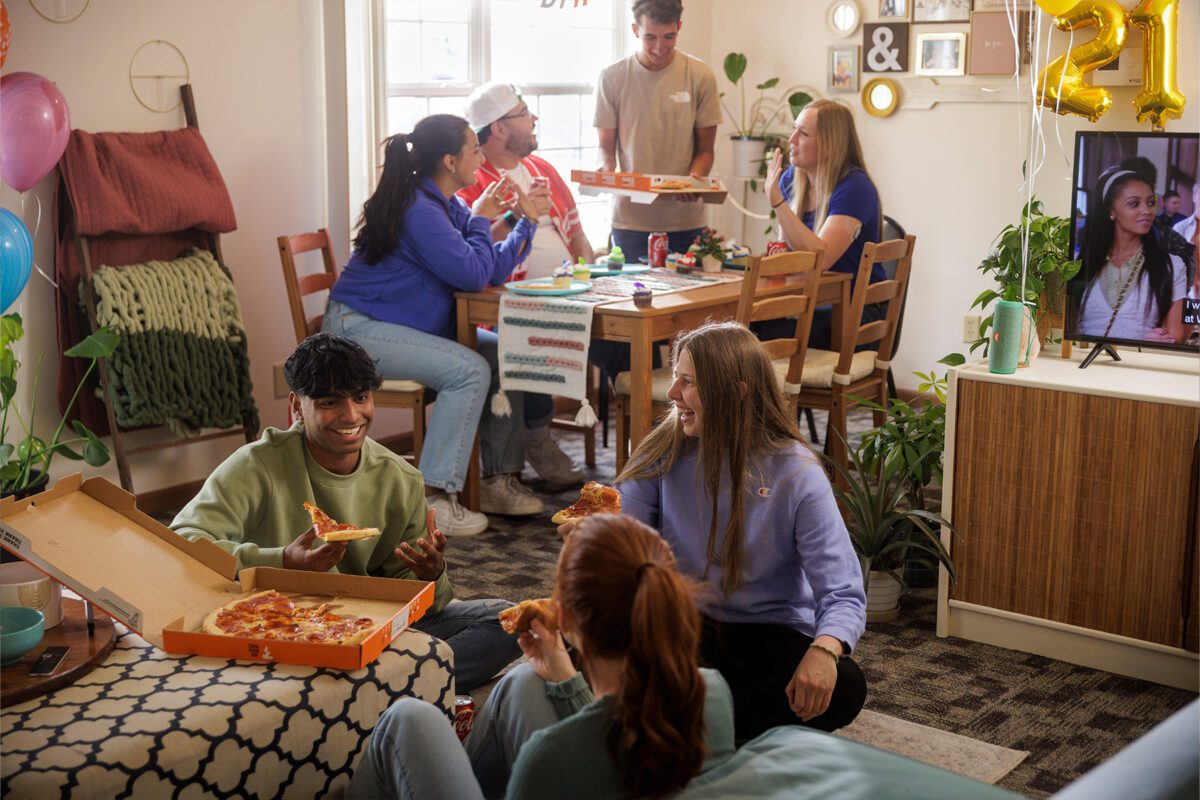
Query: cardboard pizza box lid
point(90, 536)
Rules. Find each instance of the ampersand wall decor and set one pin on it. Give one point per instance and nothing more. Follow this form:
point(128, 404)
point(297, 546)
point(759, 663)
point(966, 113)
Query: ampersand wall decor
point(885, 47)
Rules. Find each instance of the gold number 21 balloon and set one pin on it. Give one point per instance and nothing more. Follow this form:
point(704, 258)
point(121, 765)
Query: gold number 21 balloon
point(1060, 84)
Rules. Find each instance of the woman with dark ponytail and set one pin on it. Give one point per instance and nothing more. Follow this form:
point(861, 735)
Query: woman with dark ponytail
point(417, 245)
point(1133, 289)
point(650, 722)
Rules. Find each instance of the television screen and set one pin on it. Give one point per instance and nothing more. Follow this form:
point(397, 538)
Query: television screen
point(1134, 215)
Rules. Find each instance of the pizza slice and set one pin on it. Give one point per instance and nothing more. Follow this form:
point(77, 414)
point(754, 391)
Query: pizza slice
point(594, 498)
point(333, 531)
point(676, 185)
point(520, 617)
point(272, 615)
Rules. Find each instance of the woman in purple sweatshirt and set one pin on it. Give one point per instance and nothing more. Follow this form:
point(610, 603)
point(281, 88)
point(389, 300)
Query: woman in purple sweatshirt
point(416, 246)
point(748, 510)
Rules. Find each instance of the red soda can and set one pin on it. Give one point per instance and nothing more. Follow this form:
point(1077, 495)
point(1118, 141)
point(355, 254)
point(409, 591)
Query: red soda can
point(464, 716)
point(775, 248)
point(656, 246)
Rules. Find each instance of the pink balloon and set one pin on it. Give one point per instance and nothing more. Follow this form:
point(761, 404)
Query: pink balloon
point(34, 128)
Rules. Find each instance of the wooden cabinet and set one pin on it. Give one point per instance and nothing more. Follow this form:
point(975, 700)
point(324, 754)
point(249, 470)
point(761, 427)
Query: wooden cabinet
point(1074, 492)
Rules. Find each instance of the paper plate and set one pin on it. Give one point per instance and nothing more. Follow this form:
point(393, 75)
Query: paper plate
point(544, 287)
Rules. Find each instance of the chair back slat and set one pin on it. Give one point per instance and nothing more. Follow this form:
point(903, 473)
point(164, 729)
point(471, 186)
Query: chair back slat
point(788, 305)
point(299, 287)
point(890, 291)
point(761, 300)
point(781, 348)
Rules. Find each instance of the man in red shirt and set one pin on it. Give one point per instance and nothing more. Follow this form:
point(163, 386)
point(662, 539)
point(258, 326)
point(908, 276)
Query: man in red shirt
point(505, 126)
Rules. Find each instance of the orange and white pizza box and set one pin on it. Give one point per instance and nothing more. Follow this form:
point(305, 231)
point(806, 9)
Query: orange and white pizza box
point(90, 536)
point(642, 188)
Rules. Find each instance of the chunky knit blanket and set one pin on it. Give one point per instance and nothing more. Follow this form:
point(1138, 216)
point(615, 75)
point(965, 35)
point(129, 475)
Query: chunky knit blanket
point(183, 360)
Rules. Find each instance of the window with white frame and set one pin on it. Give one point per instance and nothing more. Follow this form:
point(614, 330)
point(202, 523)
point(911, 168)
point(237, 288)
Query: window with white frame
point(437, 51)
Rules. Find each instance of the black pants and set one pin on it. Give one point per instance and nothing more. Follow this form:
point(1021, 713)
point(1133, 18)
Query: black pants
point(758, 661)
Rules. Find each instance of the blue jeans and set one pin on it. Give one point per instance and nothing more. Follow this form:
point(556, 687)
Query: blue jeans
point(464, 381)
point(413, 752)
point(472, 629)
point(636, 243)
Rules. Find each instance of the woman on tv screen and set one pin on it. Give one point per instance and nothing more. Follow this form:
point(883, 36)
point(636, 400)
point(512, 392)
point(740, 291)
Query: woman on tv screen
point(1133, 289)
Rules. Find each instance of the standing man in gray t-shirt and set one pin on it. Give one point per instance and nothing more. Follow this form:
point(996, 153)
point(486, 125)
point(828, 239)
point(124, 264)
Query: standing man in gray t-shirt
point(657, 112)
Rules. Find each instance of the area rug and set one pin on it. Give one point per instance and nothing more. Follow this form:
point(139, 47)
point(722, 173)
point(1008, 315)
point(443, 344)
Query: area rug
point(950, 751)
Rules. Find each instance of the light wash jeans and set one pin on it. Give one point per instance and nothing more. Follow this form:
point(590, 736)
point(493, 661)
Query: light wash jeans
point(464, 381)
point(413, 752)
point(472, 629)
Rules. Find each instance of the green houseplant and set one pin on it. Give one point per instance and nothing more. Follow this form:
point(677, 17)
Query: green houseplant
point(753, 125)
point(1050, 268)
point(25, 457)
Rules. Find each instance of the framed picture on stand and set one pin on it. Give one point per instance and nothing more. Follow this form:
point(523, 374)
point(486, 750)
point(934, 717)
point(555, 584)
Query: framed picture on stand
point(843, 68)
point(941, 11)
point(941, 53)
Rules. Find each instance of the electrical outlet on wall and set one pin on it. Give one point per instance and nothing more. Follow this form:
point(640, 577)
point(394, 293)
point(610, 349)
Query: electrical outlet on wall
point(970, 328)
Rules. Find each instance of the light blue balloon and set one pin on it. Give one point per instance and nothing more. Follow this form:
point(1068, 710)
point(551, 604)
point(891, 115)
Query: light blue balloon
point(16, 258)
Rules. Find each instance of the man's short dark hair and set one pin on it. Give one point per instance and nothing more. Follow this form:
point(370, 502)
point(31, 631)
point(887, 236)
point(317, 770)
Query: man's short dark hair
point(324, 365)
point(485, 134)
point(1169, 193)
point(662, 12)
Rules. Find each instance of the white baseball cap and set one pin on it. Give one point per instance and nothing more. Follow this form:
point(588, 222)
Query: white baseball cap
point(490, 102)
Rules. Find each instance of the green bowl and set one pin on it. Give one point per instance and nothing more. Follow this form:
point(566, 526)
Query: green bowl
point(20, 631)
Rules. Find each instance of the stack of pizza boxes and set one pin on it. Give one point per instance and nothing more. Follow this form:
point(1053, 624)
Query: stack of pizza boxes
point(641, 188)
point(90, 536)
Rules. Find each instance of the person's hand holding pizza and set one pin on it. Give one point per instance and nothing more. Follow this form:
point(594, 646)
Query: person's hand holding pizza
point(566, 528)
point(547, 652)
point(300, 554)
point(428, 563)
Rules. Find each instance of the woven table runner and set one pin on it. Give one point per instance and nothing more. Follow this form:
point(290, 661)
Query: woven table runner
point(543, 348)
point(610, 288)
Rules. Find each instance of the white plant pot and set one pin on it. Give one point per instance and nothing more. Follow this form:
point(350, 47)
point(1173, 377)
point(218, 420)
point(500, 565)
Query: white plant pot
point(883, 597)
point(709, 264)
point(748, 154)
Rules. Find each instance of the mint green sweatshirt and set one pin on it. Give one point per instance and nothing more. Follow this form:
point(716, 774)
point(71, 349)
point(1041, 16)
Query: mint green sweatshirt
point(252, 506)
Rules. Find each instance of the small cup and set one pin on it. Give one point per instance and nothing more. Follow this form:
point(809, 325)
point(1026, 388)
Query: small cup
point(21, 584)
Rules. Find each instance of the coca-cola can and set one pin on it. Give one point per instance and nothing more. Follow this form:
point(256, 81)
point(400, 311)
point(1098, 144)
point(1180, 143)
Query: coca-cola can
point(775, 248)
point(464, 716)
point(656, 246)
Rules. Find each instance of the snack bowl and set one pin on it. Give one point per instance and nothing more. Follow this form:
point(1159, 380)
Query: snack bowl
point(22, 584)
point(20, 631)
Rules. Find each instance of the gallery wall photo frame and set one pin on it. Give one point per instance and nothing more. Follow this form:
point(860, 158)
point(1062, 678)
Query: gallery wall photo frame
point(941, 10)
point(885, 47)
point(894, 9)
point(1125, 69)
point(992, 44)
point(941, 54)
point(995, 5)
point(843, 68)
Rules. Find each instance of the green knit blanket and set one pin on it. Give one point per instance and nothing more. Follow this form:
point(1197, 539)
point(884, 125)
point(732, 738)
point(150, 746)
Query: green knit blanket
point(183, 361)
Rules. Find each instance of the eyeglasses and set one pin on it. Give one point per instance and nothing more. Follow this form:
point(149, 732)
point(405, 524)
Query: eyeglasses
point(525, 112)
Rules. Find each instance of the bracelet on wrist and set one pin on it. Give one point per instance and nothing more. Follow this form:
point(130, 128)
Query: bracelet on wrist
point(828, 651)
point(781, 202)
point(510, 218)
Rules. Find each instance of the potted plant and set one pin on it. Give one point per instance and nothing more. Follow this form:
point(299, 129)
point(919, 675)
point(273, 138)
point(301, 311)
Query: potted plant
point(710, 250)
point(25, 457)
point(752, 127)
point(1045, 280)
point(886, 532)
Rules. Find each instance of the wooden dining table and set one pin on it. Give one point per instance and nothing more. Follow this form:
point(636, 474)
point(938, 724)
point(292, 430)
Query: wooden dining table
point(622, 321)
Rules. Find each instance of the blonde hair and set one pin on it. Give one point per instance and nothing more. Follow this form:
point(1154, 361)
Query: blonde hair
point(838, 150)
point(743, 415)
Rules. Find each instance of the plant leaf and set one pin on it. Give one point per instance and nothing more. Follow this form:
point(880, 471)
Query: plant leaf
point(797, 101)
point(735, 66)
point(953, 360)
point(767, 84)
point(95, 453)
point(100, 344)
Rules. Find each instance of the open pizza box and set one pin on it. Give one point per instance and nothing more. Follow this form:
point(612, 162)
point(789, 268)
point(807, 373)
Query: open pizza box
point(90, 536)
point(647, 188)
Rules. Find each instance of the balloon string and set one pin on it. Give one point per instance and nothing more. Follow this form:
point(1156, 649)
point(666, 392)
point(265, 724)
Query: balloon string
point(1010, 10)
point(37, 225)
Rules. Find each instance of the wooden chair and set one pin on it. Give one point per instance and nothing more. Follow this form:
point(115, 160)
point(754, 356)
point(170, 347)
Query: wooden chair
point(828, 379)
point(788, 354)
point(393, 394)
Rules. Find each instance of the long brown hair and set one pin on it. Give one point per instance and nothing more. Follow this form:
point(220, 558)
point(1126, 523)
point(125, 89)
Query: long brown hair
point(838, 150)
point(618, 586)
point(742, 415)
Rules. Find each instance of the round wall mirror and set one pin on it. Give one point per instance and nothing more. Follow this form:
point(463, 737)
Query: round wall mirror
point(844, 17)
point(880, 97)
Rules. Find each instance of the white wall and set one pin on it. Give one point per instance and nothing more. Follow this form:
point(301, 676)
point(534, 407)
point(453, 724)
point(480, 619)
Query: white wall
point(952, 174)
point(257, 70)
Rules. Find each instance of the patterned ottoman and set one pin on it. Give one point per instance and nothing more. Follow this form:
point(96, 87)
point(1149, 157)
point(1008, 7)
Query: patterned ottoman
point(149, 724)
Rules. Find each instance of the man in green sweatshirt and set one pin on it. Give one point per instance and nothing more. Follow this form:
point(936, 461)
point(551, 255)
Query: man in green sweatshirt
point(252, 504)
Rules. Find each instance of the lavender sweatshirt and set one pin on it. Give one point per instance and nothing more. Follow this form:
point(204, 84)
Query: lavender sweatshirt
point(800, 569)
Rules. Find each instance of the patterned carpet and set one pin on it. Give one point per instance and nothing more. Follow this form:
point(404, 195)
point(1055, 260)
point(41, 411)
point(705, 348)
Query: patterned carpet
point(1069, 718)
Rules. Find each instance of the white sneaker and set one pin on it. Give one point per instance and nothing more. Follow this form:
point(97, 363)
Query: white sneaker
point(544, 455)
point(504, 494)
point(453, 519)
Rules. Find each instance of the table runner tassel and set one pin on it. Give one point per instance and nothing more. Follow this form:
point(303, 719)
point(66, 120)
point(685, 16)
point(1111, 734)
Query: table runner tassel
point(586, 416)
point(501, 407)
